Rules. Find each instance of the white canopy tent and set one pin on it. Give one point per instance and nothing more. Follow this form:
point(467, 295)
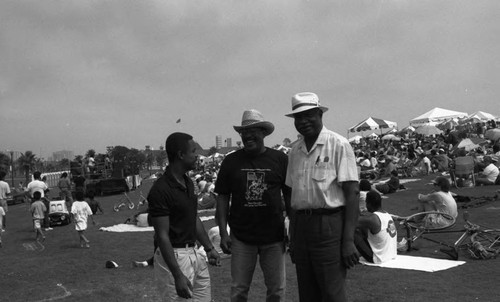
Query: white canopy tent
point(483, 116)
point(435, 116)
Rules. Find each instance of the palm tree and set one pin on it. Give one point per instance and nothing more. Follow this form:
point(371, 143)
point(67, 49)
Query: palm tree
point(4, 162)
point(26, 163)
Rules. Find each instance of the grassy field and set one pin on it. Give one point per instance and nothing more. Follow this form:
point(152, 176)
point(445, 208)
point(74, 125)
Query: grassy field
point(61, 270)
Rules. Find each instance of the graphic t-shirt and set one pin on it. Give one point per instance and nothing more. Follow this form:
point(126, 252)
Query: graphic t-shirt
point(254, 184)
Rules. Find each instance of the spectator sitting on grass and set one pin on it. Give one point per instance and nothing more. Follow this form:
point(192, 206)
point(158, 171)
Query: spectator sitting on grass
point(440, 200)
point(489, 174)
point(364, 187)
point(376, 235)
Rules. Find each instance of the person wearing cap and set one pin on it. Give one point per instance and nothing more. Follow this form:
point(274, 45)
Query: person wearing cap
point(253, 179)
point(323, 176)
point(440, 200)
point(489, 174)
point(180, 270)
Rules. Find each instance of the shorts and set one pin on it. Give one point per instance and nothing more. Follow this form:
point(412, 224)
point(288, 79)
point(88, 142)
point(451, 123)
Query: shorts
point(37, 223)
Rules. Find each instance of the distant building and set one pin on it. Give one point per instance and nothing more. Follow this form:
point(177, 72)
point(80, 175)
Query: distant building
point(218, 141)
point(229, 142)
point(64, 154)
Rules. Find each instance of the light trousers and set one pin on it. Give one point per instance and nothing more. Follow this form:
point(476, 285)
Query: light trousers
point(194, 267)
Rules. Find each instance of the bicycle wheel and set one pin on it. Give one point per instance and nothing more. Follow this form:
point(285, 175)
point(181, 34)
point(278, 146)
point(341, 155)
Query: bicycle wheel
point(430, 221)
point(488, 238)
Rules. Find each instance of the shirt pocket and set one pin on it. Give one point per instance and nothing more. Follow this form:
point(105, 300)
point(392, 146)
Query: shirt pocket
point(323, 173)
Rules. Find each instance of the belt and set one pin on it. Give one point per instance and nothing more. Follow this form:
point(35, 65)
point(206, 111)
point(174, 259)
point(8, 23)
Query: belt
point(182, 245)
point(321, 211)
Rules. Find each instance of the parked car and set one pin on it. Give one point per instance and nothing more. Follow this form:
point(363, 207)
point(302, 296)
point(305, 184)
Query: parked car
point(17, 196)
point(58, 213)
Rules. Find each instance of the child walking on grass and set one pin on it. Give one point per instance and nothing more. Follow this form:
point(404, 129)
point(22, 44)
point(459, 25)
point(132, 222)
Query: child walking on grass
point(81, 211)
point(37, 210)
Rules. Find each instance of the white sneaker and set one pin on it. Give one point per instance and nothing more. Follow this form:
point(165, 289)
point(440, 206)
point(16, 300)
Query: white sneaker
point(49, 229)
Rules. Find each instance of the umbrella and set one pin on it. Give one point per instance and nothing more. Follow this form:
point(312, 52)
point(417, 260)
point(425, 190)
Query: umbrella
point(450, 124)
point(467, 144)
point(390, 137)
point(355, 139)
point(372, 123)
point(492, 134)
point(428, 130)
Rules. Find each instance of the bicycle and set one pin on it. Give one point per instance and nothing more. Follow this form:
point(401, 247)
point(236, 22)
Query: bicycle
point(125, 201)
point(484, 243)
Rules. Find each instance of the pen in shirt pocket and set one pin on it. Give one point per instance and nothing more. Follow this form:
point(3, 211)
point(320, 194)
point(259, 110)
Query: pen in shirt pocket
point(317, 160)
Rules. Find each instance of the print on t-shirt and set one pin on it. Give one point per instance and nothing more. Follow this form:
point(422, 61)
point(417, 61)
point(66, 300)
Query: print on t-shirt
point(391, 229)
point(256, 187)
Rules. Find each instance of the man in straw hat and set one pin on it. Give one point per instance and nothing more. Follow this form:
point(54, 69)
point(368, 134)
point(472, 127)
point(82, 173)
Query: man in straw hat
point(253, 178)
point(324, 180)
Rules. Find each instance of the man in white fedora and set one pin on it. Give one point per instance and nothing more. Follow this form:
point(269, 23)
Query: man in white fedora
point(253, 179)
point(324, 180)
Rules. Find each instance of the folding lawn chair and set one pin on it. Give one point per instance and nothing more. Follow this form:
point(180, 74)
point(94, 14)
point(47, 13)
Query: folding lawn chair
point(464, 166)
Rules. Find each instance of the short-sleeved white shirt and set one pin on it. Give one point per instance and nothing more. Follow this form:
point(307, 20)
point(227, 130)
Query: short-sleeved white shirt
point(316, 176)
point(37, 185)
point(4, 189)
point(491, 172)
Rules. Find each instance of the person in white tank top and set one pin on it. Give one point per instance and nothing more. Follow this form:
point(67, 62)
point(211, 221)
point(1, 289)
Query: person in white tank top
point(376, 234)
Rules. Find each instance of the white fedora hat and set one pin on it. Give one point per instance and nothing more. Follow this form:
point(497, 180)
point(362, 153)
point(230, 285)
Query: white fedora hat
point(254, 119)
point(305, 101)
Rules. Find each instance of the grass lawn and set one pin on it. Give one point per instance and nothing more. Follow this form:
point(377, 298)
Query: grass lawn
point(64, 271)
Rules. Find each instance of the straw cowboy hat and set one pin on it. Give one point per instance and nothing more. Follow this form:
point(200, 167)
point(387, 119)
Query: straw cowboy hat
point(254, 119)
point(305, 101)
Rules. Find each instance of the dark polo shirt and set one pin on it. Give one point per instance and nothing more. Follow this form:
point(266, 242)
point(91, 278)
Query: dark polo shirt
point(168, 198)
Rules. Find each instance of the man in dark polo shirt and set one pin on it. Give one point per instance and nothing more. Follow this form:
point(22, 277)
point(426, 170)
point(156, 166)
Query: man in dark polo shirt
point(179, 268)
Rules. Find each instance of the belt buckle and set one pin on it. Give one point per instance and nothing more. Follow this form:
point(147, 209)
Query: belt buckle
point(308, 211)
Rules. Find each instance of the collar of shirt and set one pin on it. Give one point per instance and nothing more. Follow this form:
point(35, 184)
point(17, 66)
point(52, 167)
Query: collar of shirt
point(172, 181)
point(321, 140)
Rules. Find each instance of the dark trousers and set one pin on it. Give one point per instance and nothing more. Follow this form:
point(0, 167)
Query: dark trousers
point(318, 257)
point(46, 221)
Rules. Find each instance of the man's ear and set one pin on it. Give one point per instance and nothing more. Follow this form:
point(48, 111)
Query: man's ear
point(180, 154)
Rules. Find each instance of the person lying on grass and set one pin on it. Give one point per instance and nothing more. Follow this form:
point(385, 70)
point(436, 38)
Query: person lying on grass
point(81, 211)
point(376, 235)
point(389, 186)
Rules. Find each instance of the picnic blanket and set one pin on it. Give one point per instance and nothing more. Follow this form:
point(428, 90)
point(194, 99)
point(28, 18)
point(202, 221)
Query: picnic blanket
point(424, 264)
point(124, 227)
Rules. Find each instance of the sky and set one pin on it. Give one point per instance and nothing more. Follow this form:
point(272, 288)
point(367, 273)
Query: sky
point(86, 74)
